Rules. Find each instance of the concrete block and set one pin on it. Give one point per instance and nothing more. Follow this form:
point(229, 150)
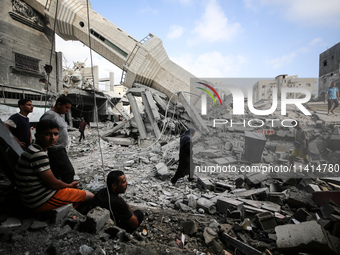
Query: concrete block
point(162, 171)
point(190, 227)
point(10, 223)
point(266, 220)
point(204, 183)
point(334, 142)
point(255, 180)
point(223, 204)
point(254, 146)
point(221, 187)
point(96, 219)
point(312, 188)
point(249, 193)
point(59, 213)
point(307, 236)
point(38, 225)
point(209, 235)
point(207, 205)
point(298, 199)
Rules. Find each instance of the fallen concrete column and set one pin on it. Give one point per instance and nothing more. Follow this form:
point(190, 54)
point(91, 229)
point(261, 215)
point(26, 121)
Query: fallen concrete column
point(120, 140)
point(136, 114)
point(150, 114)
point(152, 105)
point(160, 102)
point(194, 115)
point(114, 129)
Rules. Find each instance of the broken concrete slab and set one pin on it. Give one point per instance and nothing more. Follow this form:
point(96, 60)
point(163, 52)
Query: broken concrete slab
point(96, 219)
point(207, 205)
point(224, 203)
point(10, 223)
point(307, 236)
point(120, 141)
point(162, 171)
point(298, 198)
point(59, 213)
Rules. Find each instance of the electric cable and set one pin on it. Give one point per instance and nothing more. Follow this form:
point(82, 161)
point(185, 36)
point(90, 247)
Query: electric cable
point(52, 46)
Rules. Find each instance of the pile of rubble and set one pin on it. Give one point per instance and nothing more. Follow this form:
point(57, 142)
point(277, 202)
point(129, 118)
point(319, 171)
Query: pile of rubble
point(230, 212)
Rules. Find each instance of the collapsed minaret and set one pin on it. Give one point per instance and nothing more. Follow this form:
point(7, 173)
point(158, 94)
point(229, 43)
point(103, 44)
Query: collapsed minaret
point(145, 61)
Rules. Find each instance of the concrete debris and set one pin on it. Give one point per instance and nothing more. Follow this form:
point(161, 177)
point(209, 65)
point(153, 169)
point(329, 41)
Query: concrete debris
point(253, 212)
point(295, 237)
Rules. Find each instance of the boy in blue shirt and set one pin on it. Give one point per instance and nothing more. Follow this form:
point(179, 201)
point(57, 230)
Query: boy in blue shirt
point(332, 95)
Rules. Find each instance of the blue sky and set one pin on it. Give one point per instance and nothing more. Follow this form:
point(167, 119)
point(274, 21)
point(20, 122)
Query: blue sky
point(225, 38)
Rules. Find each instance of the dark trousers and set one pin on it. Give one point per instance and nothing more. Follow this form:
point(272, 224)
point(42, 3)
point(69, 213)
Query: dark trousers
point(82, 135)
point(61, 165)
point(330, 103)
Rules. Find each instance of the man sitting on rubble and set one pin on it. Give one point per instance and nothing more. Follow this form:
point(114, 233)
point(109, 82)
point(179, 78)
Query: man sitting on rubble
point(37, 186)
point(110, 199)
point(301, 144)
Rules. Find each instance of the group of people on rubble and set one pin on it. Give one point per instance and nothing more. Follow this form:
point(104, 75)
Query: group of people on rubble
point(44, 176)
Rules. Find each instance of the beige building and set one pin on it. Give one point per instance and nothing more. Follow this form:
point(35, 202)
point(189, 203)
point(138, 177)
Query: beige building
point(263, 89)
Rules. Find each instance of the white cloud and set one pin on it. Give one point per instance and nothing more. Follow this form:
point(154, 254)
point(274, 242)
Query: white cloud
point(214, 26)
point(290, 57)
point(212, 64)
point(186, 2)
point(303, 12)
point(176, 31)
point(149, 10)
point(77, 51)
point(286, 59)
point(316, 41)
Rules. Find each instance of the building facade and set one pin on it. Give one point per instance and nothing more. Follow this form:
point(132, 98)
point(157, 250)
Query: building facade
point(263, 89)
point(329, 69)
point(26, 53)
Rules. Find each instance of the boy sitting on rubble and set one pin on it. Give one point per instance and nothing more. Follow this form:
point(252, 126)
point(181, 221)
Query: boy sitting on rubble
point(37, 186)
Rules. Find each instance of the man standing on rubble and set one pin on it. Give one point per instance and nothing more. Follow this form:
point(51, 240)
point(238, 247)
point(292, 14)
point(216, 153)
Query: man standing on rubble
point(186, 164)
point(19, 123)
point(82, 127)
point(60, 163)
point(38, 189)
point(332, 95)
point(301, 144)
point(110, 199)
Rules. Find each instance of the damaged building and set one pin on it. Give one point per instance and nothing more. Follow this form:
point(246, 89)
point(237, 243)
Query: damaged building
point(243, 201)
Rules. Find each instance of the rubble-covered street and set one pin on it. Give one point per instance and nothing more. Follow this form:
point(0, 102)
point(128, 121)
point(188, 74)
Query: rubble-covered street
point(219, 213)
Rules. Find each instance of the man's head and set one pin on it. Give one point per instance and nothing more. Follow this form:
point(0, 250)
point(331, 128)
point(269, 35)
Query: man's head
point(296, 124)
point(63, 104)
point(25, 105)
point(333, 84)
point(116, 181)
point(47, 133)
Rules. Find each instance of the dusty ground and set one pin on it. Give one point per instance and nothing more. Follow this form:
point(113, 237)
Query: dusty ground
point(162, 225)
point(166, 209)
